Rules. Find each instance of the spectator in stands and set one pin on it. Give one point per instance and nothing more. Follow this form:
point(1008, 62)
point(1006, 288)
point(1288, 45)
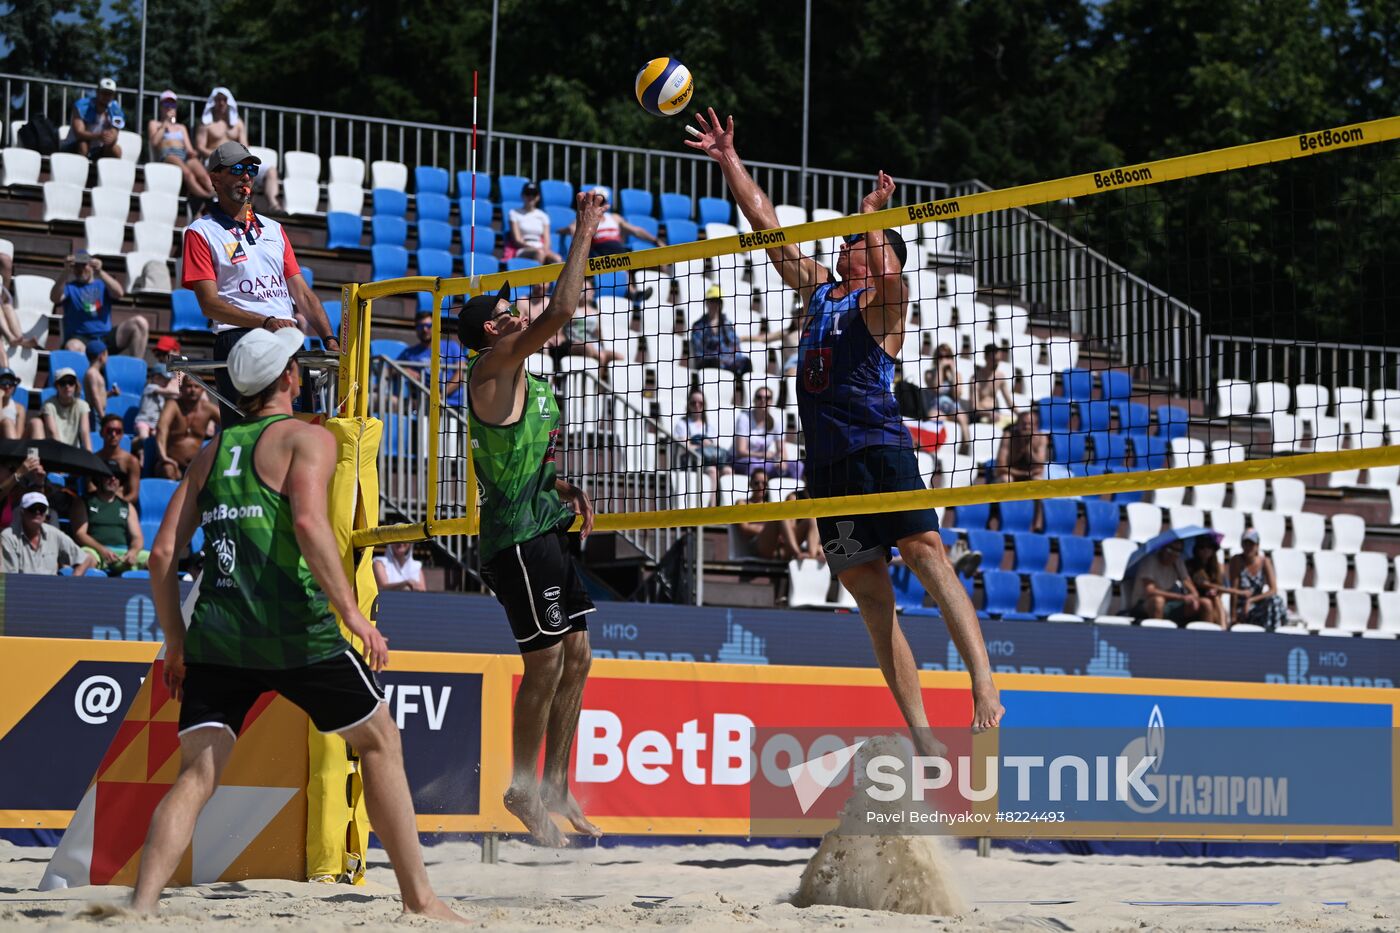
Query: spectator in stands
point(241, 267)
point(95, 387)
point(66, 417)
point(86, 293)
point(714, 343)
point(696, 434)
point(1209, 577)
point(452, 369)
point(940, 391)
point(120, 461)
point(106, 526)
point(220, 124)
point(1023, 451)
point(759, 440)
point(1162, 588)
point(991, 399)
point(32, 545)
point(583, 336)
point(17, 478)
point(529, 235)
point(183, 428)
point(1252, 572)
point(788, 338)
point(95, 123)
point(785, 539)
point(170, 141)
point(166, 348)
point(11, 334)
point(160, 388)
point(12, 416)
point(611, 238)
point(398, 570)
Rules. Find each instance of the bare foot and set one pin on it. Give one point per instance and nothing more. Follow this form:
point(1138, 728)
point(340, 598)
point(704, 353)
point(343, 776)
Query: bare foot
point(566, 806)
point(435, 909)
point(530, 810)
point(986, 707)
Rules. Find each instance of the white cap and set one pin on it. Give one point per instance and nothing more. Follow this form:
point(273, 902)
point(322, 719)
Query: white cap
point(107, 84)
point(63, 371)
point(33, 498)
point(261, 356)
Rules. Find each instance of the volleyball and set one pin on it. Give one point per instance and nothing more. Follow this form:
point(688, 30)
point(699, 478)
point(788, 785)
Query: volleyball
point(664, 87)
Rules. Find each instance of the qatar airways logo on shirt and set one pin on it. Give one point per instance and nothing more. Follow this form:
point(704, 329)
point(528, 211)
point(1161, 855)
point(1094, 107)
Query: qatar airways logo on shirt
point(262, 287)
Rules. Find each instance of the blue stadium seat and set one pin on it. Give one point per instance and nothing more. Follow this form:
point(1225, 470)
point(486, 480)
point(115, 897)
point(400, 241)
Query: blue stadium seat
point(388, 262)
point(1134, 417)
point(127, 372)
point(1078, 384)
point(509, 187)
point(1117, 457)
point(136, 575)
point(484, 239)
point(1054, 415)
point(388, 230)
point(387, 348)
point(714, 211)
point(908, 591)
point(1115, 384)
point(429, 179)
point(1095, 416)
point(556, 193)
point(343, 231)
point(950, 536)
point(483, 212)
point(637, 201)
point(153, 497)
point(186, 317)
point(1032, 551)
point(1171, 421)
point(679, 230)
point(559, 217)
point(436, 263)
point(992, 544)
point(646, 223)
point(610, 284)
point(1017, 516)
point(197, 541)
point(1060, 515)
point(675, 207)
point(333, 315)
point(1070, 450)
point(1151, 451)
point(516, 263)
point(77, 362)
point(1076, 555)
point(1003, 591)
point(123, 405)
point(1102, 517)
point(388, 202)
point(1048, 593)
point(481, 263)
point(483, 187)
point(433, 207)
point(434, 234)
point(308, 275)
point(971, 516)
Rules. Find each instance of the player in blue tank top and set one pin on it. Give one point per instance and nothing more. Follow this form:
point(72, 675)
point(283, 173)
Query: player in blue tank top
point(856, 442)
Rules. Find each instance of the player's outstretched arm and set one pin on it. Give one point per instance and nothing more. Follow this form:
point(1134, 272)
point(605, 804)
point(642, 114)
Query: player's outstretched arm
point(884, 314)
point(717, 141)
point(308, 477)
point(511, 352)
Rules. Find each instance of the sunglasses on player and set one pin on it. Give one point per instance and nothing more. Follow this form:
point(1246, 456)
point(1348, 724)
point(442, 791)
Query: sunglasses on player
point(853, 238)
point(512, 311)
point(240, 168)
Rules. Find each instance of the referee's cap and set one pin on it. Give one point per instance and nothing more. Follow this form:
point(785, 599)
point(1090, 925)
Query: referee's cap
point(471, 323)
point(230, 153)
point(260, 356)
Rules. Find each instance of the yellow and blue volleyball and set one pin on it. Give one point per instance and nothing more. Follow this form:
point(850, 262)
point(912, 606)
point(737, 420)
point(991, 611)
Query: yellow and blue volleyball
point(664, 87)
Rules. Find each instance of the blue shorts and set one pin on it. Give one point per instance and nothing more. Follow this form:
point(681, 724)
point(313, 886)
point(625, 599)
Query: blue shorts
point(852, 540)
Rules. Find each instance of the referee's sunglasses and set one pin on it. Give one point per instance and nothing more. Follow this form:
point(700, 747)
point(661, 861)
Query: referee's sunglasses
point(243, 168)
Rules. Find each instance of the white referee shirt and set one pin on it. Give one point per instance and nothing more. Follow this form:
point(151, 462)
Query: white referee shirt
point(250, 263)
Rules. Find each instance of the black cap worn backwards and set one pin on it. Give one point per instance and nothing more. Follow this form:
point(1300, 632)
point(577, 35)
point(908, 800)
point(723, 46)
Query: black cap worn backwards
point(896, 243)
point(471, 323)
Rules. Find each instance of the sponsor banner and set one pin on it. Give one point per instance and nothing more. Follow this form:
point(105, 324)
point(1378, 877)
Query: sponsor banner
point(439, 717)
point(61, 607)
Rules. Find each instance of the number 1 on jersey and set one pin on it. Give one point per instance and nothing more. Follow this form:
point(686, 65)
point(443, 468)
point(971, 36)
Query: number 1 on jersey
point(236, 453)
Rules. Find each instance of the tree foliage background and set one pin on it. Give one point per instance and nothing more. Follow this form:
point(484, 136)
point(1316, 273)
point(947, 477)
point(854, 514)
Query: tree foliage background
point(1007, 91)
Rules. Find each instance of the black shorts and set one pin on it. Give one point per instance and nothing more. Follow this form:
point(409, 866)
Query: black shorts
point(852, 540)
point(542, 593)
point(338, 693)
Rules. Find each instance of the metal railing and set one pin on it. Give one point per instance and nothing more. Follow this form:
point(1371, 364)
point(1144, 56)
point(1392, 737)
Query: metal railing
point(1331, 365)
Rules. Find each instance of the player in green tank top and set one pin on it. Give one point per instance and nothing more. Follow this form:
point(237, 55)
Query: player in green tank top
point(262, 621)
point(513, 422)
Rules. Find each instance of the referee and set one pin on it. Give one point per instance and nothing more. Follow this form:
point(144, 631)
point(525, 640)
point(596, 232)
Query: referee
point(241, 267)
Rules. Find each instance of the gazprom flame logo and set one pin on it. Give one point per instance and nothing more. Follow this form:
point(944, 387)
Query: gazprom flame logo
point(1156, 737)
point(1151, 745)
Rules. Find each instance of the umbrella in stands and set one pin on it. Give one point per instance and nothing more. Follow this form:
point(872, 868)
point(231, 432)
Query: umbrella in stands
point(56, 456)
point(1186, 533)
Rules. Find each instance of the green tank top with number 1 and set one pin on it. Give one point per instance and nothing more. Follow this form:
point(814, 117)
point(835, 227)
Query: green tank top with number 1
point(258, 606)
point(515, 466)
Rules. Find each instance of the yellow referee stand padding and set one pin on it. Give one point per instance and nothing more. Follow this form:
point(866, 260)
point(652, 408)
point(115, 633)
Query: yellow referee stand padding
point(337, 825)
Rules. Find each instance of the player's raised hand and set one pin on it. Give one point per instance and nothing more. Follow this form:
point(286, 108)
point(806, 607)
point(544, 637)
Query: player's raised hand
point(712, 137)
point(590, 207)
point(879, 198)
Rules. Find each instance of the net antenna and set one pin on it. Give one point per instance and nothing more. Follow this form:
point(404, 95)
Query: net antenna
point(471, 236)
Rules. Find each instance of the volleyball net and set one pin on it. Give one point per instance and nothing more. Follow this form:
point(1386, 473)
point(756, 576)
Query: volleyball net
point(1031, 364)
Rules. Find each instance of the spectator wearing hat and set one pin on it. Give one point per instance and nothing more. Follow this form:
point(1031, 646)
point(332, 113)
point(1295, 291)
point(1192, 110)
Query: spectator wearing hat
point(611, 238)
point(65, 417)
point(165, 349)
point(95, 122)
point(397, 569)
point(529, 228)
point(160, 388)
point(1251, 571)
point(220, 124)
point(12, 415)
point(106, 526)
point(95, 388)
point(121, 462)
point(170, 141)
point(241, 267)
point(31, 545)
point(86, 293)
point(714, 343)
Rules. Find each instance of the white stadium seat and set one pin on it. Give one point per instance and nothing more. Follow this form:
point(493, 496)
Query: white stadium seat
point(103, 235)
point(393, 175)
point(1285, 431)
point(130, 144)
point(1232, 398)
point(1353, 611)
point(267, 158)
point(303, 165)
point(1372, 569)
point(164, 177)
point(159, 206)
point(1271, 397)
point(110, 202)
point(1182, 516)
point(1329, 570)
point(1208, 497)
point(1289, 495)
point(1390, 611)
point(69, 168)
point(347, 170)
point(1116, 552)
point(1188, 452)
point(32, 293)
point(21, 166)
point(1144, 521)
point(1348, 533)
point(117, 174)
point(1272, 526)
point(1199, 626)
point(135, 269)
point(1308, 531)
point(345, 198)
point(303, 196)
point(1229, 523)
point(1249, 494)
point(62, 202)
point(808, 583)
point(151, 237)
point(1290, 567)
point(1382, 477)
point(1227, 451)
point(1313, 606)
point(1169, 497)
point(1159, 623)
point(1091, 594)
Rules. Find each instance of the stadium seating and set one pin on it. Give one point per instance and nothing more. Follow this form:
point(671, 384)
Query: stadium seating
point(302, 195)
point(1016, 516)
point(388, 262)
point(344, 231)
point(345, 198)
point(21, 167)
point(714, 211)
point(675, 207)
point(389, 176)
point(389, 202)
point(434, 235)
point(483, 188)
point(346, 170)
point(1032, 552)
